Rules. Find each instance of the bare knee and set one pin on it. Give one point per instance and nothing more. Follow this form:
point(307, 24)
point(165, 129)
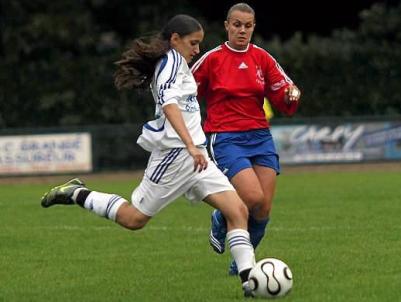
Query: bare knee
point(134, 224)
point(237, 216)
point(262, 211)
point(259, 205)
point(243, 211)
point(130, 218)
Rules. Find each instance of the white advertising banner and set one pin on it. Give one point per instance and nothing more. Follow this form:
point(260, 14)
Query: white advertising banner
point(45, 153)
point(341, 142)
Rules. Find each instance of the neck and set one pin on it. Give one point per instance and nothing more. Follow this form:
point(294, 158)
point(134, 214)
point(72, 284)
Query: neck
point(236, 47)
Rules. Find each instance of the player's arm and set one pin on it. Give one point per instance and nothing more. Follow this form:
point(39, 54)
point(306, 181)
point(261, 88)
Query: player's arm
point(280, 90)
point(169, 83)
point(174, 116)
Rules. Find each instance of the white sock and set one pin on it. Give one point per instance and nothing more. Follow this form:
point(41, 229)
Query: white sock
point(104, 204)
point(75, 194)
point(241, 249)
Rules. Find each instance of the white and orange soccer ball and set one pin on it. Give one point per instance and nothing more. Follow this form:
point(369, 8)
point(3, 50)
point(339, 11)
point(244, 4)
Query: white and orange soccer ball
point(270, 278)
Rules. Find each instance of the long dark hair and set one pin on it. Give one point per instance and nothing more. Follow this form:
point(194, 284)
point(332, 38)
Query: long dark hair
point(137, 64)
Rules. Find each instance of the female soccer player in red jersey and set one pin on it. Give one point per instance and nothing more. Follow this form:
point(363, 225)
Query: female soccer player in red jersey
point(234, 78)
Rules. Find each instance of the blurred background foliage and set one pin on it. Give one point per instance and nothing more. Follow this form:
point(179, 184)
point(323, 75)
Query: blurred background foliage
point(56, 61)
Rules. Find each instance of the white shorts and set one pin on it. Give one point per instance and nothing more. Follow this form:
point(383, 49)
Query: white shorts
point(170, 174)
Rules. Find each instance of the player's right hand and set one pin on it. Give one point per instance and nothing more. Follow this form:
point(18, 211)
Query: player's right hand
point(200, 162)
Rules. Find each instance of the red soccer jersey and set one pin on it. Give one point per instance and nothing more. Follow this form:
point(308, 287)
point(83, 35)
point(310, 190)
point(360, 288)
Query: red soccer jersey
point(234, 84)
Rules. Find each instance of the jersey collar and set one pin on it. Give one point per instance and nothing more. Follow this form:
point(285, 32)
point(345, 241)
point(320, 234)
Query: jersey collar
point(236, 50)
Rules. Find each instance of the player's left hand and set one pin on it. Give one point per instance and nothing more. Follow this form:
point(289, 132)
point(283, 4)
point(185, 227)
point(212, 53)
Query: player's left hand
point(292, 94)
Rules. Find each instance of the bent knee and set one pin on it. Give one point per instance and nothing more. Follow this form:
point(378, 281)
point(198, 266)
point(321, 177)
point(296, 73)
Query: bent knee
point(134, 221)
point(131, 218)
point(238, 214)
point(243, 211)
point(254, 200)
point(261, 211)
point(134, 224)
point(259, 204)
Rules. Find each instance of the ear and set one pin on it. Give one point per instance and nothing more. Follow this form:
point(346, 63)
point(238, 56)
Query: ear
point(226, 25)
point(174, 39)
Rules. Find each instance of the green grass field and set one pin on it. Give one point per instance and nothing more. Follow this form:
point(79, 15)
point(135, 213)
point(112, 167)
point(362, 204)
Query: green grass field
point(340, 233)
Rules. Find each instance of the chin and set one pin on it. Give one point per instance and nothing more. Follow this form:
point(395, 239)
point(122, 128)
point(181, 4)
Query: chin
point(242, 43)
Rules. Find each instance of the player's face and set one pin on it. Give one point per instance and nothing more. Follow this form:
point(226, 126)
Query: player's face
point(187, 46)
point(240, 27)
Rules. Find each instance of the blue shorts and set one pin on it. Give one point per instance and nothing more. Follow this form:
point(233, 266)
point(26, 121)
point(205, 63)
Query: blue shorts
point(235, 151)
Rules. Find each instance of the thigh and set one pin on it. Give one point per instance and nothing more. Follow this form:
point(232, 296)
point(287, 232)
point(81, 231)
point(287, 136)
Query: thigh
point(229, 153)
point(267, 179)
point(167, 177)
point(264, 154)
point(248, 186)
point(163, 166)
point(207, 182)
point(256, 187)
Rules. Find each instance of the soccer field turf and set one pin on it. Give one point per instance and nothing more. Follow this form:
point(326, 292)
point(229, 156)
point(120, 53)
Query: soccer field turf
point(340, 233)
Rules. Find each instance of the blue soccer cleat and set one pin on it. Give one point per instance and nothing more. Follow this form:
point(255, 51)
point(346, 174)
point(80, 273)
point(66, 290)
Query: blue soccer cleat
point(62, 194)
point(218, 232)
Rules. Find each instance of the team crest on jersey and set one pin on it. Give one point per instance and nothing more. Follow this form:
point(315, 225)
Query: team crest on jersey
point(260, 79)
point(192, 104)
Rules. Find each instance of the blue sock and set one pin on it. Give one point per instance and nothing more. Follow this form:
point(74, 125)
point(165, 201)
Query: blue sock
point(257, 229)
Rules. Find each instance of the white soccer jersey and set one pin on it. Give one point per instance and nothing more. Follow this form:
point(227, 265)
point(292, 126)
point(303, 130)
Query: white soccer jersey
point(172, 82)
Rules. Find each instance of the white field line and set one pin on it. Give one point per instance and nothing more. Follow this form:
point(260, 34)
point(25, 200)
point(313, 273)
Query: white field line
point(191, 229)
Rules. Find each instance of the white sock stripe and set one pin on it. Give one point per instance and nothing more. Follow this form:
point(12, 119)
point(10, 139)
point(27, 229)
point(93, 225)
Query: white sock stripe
point(241, 249)
point(233, 239)
point(238, 241)
point(237, 237)
point(111, 203)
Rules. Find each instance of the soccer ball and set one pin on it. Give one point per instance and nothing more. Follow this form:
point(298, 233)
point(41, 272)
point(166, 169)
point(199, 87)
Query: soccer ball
point(270, 278)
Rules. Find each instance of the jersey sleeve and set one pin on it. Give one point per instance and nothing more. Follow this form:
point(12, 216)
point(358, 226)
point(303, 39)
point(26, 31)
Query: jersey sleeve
point(200, 71)
point(276, 83)
point(168, 80)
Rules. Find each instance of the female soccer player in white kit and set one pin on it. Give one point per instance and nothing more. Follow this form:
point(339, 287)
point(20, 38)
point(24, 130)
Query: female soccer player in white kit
point(178, 163)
